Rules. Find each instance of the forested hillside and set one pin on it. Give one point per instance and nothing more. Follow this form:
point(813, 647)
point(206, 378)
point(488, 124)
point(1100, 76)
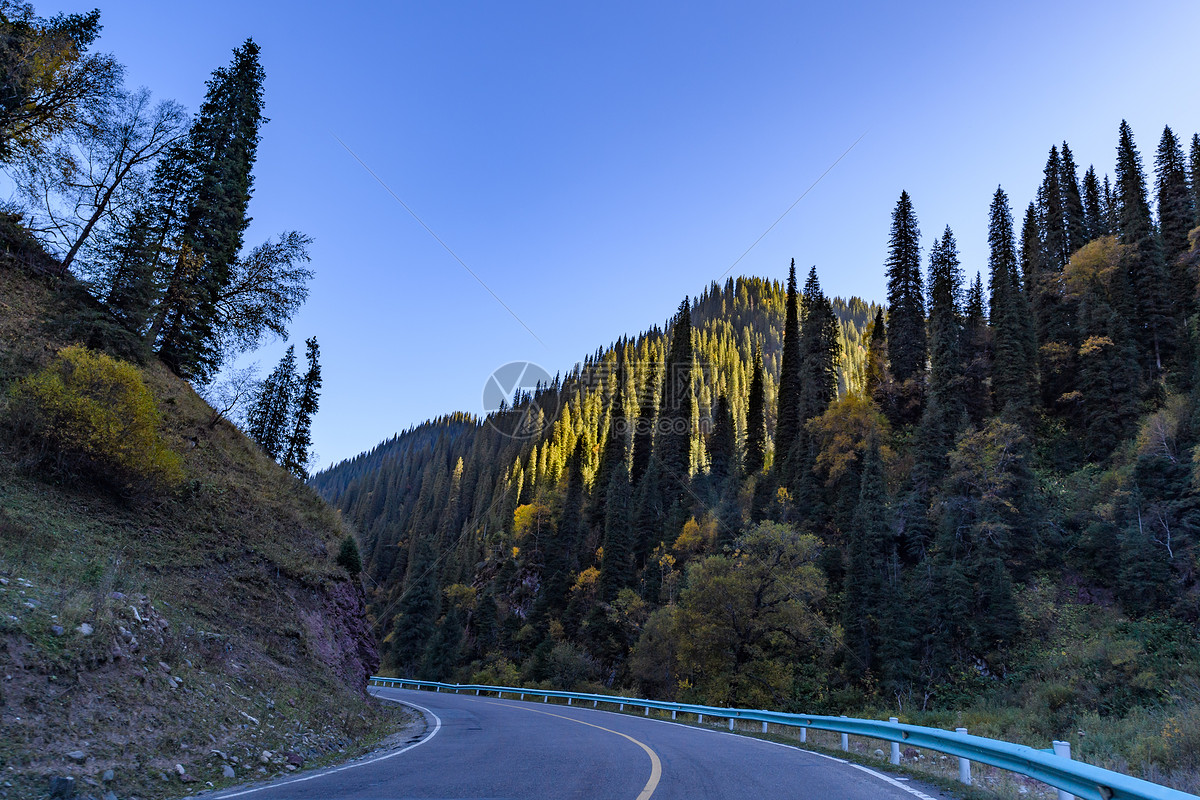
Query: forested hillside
point(987, 495)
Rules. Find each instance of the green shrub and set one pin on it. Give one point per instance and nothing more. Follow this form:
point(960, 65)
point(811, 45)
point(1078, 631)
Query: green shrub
point(91, 415)
point(348, 556)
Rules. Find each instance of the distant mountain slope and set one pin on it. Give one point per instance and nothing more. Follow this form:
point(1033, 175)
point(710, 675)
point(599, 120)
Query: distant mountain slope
point(454, 479)
point(196, 628)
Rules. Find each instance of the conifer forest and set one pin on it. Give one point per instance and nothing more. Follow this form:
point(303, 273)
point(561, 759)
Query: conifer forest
point(986, 490)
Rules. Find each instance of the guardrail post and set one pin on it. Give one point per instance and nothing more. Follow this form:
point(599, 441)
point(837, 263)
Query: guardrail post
point(673, 712)
point(895, 759)
point(522, 695)
point(595, 704)
point(764, 726)
point(803, 735)
point(622, 708)
point(1063, 749)
point(546, 698)
point(731, 723)
point(568, 701)
point(964, 765)
point(845, 738)
point(699, 719)
point(647, 711)
point(477, 693)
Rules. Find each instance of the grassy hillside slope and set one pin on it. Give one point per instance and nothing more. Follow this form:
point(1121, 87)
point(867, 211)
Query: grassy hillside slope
point(167, 636)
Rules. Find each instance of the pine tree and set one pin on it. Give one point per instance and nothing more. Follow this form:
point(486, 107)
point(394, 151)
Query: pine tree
point(1013, 373)
point(307, 400)
point(269, 416)
point(756, 421)
point(676, 415)
point(643, 432)
point(877, 374)
point(1054, 317)
point(616, 567)
point(906, 298)
point(722, 448)
point(417, 611)
point(787, 417)
point(1176, 216)
point(1074, 220)
point(1056, 249)
point(221, 151)
point(1194, 174)
point(1147, 291)
point(947, 405)
point(820, 351)
point(131, 276)
point(1095, 221)
point(613, 452)
point(977, 353)
point(870, 544)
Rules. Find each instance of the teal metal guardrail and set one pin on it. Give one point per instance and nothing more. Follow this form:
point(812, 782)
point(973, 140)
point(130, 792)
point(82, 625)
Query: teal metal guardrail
point(1069, 777)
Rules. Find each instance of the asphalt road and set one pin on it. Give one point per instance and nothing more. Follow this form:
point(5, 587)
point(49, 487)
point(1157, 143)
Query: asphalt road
point(485, 748)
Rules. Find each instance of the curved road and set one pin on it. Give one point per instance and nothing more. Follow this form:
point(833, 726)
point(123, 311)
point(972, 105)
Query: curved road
point(482, 747)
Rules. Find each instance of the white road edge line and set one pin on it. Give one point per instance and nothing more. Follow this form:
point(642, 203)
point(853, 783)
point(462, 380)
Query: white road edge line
point(437, 726)
point(885, 778)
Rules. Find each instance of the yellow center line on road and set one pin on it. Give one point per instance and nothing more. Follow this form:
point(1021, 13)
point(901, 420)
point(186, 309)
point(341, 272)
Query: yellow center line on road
point(655, 764)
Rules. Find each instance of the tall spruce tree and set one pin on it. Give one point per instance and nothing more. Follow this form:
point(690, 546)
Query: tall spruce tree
point(1054, 316)
point(307, 401)
point(268, 420)
point(220, 153)
point(1074, 220)
point(722, 447)
point(756, 421)
point(676, 419)
point(1147, 290)
point(1176, 215)
point(616, 565)
point(613, 452)
point(906, 297)
point(643, 432)
point(1013, 373)
point(1054, 240)
point(820, 351)
point(947, 405)
point(871, 543)
point(1095, 221)
point(1194, 174)
point(787, 417)
point(977, 355)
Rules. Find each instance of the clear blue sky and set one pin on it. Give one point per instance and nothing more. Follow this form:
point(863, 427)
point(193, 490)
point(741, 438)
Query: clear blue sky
point(594, 163)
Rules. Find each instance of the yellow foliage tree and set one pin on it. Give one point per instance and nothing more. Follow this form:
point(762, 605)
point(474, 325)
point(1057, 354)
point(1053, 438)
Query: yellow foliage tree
point(92, 414)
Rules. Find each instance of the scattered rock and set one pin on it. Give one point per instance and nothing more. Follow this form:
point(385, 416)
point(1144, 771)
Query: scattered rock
point(265, 757)
point(30, 604)
point(62, 787)
point(109, 796)
point(227, 772)
point(78, 756)
point(109, 776)
point(878, 753)
point(295, 759)
point(247, 716)
point(290, 767)
point(117, 595)
point(57, 630)
point(84, 629)
point(165, 666)
point(910, 752)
